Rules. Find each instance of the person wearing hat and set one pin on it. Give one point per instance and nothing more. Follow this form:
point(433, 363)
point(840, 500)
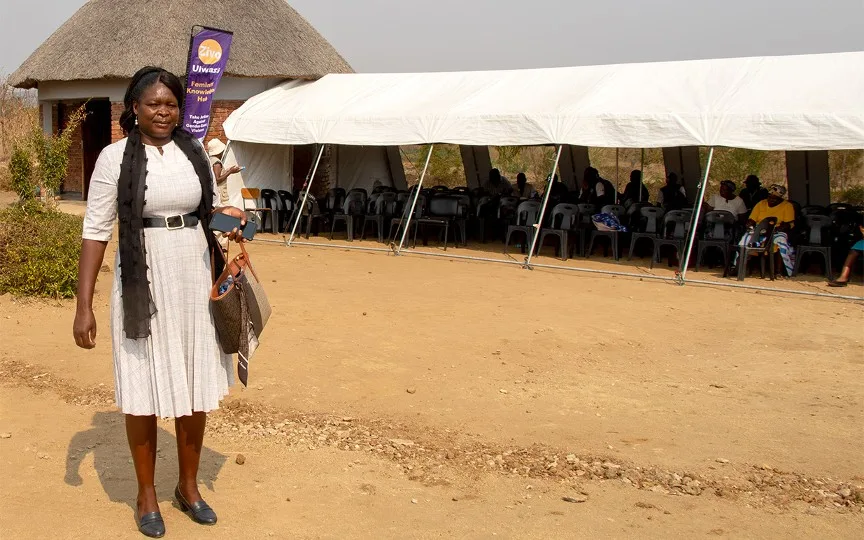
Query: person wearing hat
point(778, 207)
point(727, 201)
point(753, 193)
point(215, 149)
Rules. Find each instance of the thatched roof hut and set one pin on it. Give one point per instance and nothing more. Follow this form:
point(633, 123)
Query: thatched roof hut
point(91, 58)
point(112, 39)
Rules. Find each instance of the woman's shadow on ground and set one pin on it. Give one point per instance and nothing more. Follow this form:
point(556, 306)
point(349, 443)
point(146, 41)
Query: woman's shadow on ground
point(106, 439)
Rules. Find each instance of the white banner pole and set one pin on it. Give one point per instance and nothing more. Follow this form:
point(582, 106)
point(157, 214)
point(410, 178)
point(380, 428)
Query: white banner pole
point(539, 224)
point(418, 187)
point(696, 213)
point(302, 207)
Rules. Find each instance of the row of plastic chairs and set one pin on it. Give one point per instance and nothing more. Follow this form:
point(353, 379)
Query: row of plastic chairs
point(651, 224)
point(452, 206)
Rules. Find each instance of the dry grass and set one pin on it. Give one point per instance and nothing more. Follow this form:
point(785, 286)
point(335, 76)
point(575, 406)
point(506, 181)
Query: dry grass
point(846, 166)
point(18, 115)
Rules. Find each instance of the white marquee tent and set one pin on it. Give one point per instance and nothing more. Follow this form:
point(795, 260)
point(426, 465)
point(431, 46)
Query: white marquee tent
point(811, 102)
point(808, 102)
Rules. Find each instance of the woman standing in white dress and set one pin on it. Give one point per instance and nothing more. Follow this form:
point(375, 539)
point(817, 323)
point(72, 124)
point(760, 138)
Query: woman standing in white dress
point(167, 361)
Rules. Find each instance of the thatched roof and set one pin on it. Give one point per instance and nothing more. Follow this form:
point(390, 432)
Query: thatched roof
point(112, 39)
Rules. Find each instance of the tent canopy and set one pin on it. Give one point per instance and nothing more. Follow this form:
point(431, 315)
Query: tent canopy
point(810, 102)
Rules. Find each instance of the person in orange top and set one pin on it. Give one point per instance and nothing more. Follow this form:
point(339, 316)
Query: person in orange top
point(777, 207)
point(774, 206)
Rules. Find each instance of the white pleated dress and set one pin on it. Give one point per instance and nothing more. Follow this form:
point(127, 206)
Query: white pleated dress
point(180, 368)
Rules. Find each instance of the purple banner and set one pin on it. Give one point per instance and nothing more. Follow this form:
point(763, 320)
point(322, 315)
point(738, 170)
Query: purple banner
point(208, 56)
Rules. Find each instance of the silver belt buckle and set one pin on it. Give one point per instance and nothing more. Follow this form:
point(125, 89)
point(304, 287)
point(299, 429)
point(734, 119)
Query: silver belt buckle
point(168, 221)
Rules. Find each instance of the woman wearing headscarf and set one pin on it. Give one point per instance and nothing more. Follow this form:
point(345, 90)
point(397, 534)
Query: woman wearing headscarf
point(167, 361)
point(777, 207)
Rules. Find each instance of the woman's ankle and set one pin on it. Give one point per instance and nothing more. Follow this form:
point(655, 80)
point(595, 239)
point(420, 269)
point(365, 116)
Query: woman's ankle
point(147, 501)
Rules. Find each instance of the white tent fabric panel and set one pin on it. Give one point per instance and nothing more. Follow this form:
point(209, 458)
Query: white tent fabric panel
point(796, 103)
point(268, 166)
point(362, 167)
point(816, 102)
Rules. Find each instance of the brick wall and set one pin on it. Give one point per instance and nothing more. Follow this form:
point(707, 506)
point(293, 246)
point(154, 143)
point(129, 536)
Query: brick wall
point(116, 110)
point(220, 112)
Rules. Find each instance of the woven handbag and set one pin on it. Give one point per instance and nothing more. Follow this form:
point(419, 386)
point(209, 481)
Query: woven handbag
point(241, 312)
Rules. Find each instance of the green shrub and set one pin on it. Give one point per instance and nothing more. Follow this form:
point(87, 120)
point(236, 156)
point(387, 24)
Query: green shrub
point(39, 253)
point(21, 173)
point(852, 195)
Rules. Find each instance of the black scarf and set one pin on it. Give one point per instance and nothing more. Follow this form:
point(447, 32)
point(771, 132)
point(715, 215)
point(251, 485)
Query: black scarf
point(138, 306)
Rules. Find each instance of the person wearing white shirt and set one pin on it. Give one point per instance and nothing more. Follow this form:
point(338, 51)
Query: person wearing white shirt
point(728, 201)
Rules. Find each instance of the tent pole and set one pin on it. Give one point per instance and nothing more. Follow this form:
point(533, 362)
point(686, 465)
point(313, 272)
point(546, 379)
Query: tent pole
point(642, 175)
point(617, 172)
point(416, 197)
point(306, 196)
point(539, 223)
point(221, 158)
point(695, 221)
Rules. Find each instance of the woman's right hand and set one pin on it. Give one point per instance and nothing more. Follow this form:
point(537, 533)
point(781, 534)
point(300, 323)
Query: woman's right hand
point(233, 170)
point(84, 329)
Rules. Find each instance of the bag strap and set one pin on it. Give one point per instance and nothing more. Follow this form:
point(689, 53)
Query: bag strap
point(248, 260)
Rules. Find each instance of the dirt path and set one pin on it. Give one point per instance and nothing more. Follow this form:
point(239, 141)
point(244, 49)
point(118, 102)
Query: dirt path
point(484, 376)
point(72, 458)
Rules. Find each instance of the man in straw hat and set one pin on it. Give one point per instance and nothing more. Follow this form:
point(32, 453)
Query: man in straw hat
point(215, 149)
point(778, 207)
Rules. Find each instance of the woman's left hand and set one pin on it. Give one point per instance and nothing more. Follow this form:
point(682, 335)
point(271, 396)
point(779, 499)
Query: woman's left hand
point(233, 211)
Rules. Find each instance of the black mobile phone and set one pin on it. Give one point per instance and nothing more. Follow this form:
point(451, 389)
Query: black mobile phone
point(226, 223)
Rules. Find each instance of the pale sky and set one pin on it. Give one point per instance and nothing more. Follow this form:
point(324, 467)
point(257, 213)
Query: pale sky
point(441, 35)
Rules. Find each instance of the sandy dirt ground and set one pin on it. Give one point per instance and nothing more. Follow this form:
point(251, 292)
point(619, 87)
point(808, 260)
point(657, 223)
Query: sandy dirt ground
point(425, 397)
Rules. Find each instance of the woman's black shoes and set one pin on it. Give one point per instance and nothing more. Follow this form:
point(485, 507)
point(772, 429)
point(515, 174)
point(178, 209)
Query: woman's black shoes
point(152, 525)
point(200, 511)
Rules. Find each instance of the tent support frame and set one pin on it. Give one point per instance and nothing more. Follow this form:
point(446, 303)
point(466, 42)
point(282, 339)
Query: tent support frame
point(539, 224)
point(572, 269)
point(418, 188)
point(694, 223)
point(302, 207)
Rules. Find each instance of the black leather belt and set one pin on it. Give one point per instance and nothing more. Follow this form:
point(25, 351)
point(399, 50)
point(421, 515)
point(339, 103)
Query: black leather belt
point(172, 222)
